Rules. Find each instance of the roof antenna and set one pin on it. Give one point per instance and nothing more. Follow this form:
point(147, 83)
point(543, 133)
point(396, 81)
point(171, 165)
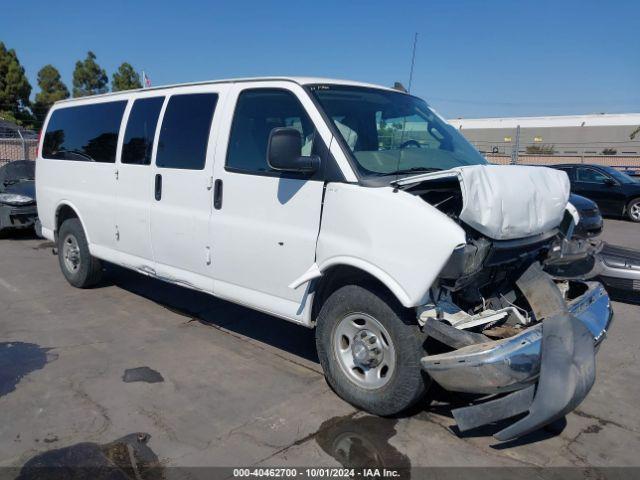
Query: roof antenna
point(413, 60)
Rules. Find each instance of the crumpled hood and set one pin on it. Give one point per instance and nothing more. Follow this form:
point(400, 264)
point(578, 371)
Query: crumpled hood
point(508, 201)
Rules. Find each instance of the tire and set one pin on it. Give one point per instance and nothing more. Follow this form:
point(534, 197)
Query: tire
point(78, 266)
point(633, 210)
point(356, 309)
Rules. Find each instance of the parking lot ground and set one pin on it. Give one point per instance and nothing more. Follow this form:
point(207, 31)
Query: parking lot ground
point(228, 386)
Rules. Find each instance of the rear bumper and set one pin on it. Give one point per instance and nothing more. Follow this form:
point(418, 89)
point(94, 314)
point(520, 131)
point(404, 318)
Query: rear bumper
point(558, 353)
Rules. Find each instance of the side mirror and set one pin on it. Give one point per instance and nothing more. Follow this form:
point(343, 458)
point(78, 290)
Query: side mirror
point(610, 182)
point(284, 152)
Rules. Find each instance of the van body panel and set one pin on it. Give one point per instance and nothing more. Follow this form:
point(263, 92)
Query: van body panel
point(395, 236)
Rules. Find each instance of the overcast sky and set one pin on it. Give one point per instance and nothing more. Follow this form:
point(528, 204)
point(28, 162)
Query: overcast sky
point(474, 58)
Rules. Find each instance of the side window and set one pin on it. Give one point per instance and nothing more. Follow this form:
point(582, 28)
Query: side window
point(185, 131)
point(257, 113)
point(589, 175)
point(141, 130)
point(87, 133)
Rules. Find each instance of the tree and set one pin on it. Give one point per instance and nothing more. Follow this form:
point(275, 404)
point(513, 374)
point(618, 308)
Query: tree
point(89, 78)
point(14, 88)
point(52, 89)
point(126, 78)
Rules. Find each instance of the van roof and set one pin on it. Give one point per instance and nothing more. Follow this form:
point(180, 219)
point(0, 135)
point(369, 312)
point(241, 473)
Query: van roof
point(298, 80)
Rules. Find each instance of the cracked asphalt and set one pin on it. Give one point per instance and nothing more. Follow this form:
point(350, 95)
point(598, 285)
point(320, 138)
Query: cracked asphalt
point(227, 386)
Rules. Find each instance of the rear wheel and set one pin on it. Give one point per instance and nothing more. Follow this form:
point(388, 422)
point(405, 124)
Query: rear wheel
point(633, 210)
point(370, 349)
point(78, 266)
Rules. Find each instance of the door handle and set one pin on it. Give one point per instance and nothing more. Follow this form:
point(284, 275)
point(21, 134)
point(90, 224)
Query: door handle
point(217, 194)
point(158, 189)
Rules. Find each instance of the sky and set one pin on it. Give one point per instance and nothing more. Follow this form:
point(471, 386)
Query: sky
point(473, 58)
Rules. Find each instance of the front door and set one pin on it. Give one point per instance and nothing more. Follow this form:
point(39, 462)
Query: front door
point(182, 180)
point(266, 222)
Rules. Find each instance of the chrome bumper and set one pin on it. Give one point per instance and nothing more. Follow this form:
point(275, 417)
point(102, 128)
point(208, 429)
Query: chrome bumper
point(549, 368)
point(513, 363)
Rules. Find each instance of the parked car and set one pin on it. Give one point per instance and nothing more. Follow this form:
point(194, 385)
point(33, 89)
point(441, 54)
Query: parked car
point(616, 193)
point(17, 195)
point(590, 223)
point(345, 207)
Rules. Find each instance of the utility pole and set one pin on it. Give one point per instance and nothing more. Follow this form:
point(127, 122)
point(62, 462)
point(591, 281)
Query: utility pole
point(516, 147)
point(413, 60)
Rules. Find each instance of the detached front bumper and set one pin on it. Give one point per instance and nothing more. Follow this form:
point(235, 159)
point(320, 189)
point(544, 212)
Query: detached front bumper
point(549, 368)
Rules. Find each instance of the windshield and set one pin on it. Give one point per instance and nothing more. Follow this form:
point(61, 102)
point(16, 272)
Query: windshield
point(392, 133)
point(619, 176)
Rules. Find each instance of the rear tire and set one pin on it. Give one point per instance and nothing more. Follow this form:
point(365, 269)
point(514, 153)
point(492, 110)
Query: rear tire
point(78, 266)
point(633, 210)
point(387, 378)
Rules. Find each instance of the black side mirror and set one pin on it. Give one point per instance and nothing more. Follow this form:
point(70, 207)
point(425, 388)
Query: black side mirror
point(284, 152)
point(610, 182)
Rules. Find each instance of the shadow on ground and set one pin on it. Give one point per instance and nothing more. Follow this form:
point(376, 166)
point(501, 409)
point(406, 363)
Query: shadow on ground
point(208, 310)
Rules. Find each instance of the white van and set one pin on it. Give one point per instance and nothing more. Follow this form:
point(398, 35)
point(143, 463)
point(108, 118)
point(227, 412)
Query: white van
point(347, 207)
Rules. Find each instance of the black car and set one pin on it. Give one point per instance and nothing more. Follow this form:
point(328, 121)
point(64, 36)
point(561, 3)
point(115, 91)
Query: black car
point(616, 193)
point(590, 224)
point(18, 195)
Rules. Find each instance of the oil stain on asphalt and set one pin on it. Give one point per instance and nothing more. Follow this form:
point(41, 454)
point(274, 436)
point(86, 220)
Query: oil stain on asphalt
point(142, 374)
point(126, 458)
point(17, 360)
point(363, 442)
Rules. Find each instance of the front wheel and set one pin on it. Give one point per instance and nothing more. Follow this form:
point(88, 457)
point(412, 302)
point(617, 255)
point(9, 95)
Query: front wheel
point(370, 349)
point(633, 210)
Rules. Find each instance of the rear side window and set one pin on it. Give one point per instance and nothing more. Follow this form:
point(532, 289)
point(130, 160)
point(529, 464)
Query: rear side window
point(257, 113)
point(185, 131)
point(87, 133)
point(141, 130)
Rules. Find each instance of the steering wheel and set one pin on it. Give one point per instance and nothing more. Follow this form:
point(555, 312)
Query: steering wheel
point(410, 143)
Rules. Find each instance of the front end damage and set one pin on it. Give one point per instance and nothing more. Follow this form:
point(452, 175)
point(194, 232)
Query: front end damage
point(510, 318)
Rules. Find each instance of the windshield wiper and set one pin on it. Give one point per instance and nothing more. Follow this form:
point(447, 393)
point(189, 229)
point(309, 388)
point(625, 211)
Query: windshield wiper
point(415, 169)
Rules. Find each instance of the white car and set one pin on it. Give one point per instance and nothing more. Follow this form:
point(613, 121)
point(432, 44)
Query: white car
point(352, 208)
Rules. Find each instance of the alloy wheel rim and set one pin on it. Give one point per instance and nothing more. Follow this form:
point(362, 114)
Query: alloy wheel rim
point(364, 350)
point(635, 211)
point(71, 253)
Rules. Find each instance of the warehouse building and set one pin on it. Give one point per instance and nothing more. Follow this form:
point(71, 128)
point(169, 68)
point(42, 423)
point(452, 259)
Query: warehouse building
point(571, 135)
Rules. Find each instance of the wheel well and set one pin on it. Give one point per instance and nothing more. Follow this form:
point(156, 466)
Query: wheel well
point(338, 276)
point(65, 212)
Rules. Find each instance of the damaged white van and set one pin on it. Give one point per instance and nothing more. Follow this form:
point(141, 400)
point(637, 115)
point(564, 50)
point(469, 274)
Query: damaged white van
point(347, 207)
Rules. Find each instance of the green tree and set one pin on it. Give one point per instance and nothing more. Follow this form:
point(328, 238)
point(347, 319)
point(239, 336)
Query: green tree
point(126, 78)
point(14, 88)
point(89, 78)
point(52, 89)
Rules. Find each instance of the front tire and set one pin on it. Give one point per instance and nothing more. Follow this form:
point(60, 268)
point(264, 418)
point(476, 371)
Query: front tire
point(78, 266)
point(370, 347)
point(633, 210)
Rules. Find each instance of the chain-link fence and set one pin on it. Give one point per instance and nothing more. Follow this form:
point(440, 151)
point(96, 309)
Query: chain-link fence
point(17, 145)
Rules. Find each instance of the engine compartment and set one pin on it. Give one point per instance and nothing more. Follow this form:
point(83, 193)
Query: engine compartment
point(478, 290)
